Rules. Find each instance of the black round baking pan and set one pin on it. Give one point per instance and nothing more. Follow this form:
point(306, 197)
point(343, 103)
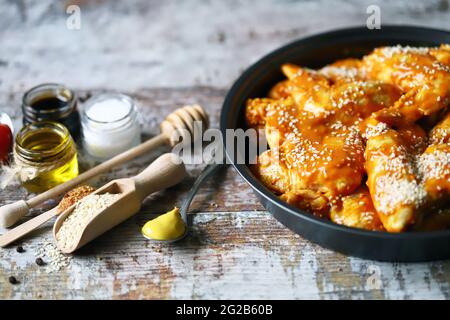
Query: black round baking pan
point(316, 51)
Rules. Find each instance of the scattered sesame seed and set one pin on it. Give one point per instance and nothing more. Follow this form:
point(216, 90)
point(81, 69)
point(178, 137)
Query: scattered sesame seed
point(55, 258)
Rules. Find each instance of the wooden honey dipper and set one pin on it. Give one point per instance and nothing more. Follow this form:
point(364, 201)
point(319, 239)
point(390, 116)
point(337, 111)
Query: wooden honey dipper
point(178, 124)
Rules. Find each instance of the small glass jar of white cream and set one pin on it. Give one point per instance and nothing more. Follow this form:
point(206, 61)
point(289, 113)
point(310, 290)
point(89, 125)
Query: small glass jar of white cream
point(110, 125)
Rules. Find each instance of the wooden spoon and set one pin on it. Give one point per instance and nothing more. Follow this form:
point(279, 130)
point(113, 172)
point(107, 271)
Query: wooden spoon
point(164, 172)
point(178, 124)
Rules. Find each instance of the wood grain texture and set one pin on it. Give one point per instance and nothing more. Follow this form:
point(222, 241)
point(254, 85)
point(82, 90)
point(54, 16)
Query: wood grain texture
point(228, 255)
point(167, 54)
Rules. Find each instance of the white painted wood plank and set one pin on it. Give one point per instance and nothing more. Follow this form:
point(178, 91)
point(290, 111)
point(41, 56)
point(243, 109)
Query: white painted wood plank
point(128, 45)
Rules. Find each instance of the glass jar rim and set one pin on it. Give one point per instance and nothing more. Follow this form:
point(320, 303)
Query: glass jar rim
point(30, 154)
point(106, 96)
point(27, 99)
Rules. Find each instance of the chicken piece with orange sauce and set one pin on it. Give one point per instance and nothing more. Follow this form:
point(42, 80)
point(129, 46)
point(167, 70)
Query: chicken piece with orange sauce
point(423, 78)
point(354, 101)
point(288, 184)
point(281, 90)
point(255, 111)
point(397, 193)
point(434, 166)
point(300, 83)
point(309, 201)
point(308, 88)
point(440, 134)
point(331, 164)
point(272, 172)
point(344, 70)
point(434, 163)
point(357, 211)
point(442, 54)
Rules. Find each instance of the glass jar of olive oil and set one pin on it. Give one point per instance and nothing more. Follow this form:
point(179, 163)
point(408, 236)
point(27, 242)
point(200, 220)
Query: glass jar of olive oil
point(45, 155)
point(52, 102)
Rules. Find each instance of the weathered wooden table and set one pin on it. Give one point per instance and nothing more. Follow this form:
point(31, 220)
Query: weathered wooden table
point(166, 54)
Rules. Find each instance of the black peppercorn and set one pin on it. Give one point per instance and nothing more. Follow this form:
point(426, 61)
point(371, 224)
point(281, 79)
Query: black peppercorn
point(20, 249)
point(13, 280)
point(40, 262)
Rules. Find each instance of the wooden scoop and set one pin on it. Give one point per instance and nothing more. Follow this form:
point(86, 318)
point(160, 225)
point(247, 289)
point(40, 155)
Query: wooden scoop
point(177, 125)
point(164, 172)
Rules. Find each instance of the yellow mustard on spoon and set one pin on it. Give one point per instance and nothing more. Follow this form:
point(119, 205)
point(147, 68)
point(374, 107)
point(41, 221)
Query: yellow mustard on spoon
point(173, 226)
point(166, 227)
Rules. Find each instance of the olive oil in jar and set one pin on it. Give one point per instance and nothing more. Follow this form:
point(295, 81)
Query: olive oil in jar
point(46, 155)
